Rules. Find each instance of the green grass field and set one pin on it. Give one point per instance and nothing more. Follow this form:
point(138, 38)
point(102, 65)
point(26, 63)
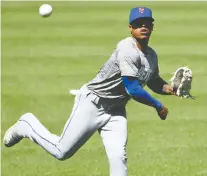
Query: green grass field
point(44, 57)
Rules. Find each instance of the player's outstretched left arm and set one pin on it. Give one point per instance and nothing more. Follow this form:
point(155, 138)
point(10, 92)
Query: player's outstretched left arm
point(158, 85)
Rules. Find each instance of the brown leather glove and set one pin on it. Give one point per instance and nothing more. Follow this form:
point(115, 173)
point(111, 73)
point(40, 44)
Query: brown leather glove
point(162, 112)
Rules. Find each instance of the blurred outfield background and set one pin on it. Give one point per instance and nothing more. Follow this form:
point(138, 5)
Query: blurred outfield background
point(44, 57)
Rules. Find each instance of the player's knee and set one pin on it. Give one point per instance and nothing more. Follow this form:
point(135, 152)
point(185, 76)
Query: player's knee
point(61, 157)
point(64, 154)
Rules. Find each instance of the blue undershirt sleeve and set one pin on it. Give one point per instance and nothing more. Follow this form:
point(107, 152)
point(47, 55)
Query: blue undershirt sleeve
point(135, 90)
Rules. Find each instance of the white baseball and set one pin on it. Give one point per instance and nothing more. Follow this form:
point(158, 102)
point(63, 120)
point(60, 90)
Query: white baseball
point(45, 10)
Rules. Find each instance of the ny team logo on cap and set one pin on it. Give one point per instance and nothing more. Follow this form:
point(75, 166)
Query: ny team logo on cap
point(141, 10)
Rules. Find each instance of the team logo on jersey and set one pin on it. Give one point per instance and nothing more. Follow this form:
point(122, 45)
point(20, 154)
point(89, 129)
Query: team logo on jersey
point(141, 10)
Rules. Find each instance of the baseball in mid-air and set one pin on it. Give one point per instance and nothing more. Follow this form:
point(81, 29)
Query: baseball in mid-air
point(45, 10)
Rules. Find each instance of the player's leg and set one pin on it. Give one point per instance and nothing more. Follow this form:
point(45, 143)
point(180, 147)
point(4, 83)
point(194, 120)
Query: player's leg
point(114, 136)
point(78, 129)
point(28, 126)
point(83, 123)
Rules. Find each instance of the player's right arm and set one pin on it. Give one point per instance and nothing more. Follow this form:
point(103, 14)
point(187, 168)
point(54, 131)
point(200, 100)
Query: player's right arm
point(160, 86)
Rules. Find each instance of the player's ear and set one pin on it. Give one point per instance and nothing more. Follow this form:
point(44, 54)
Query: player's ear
point(130, 28)
point(152, 27)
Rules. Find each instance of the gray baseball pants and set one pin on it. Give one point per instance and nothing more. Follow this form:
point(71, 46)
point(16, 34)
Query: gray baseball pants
point(89, 114)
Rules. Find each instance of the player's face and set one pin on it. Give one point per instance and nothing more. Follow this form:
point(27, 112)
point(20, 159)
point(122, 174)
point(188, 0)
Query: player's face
point(141, 28)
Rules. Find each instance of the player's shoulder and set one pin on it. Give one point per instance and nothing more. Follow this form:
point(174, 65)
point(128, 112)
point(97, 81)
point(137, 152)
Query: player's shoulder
point(152, 52)
point(127, 46)
point(126, 42)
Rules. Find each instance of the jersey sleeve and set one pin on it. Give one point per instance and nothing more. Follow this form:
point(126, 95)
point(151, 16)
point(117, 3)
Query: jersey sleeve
point(129, 63)
point(156, 74)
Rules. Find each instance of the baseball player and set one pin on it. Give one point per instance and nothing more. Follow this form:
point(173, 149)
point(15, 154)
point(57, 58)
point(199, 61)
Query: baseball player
point(100, 104)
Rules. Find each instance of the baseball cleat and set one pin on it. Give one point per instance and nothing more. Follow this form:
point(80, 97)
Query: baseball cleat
point(11, 136)
point(74, 92)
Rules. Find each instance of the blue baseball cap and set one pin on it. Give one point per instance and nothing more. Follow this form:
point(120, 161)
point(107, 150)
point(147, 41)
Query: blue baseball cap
point(140, 12)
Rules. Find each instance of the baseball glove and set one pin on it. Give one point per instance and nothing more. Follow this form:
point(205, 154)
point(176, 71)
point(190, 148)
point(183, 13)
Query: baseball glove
point(181, 81)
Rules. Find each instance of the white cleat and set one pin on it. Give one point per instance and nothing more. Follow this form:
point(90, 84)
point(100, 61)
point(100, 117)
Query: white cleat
point(11, 136)
point(15, 133)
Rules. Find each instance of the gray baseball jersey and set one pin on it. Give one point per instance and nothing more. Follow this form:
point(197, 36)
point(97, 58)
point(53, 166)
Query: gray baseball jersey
point(126, 60)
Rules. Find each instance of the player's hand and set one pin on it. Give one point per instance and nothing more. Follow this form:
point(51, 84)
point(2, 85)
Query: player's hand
point(169, 89)
point(162, 112)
